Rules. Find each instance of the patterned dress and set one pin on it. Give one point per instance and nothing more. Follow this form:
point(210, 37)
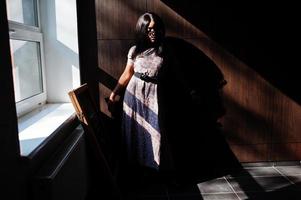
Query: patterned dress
point(140, 111)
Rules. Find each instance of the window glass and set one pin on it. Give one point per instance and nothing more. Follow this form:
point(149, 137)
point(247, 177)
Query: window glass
point(27, 71)
point(22, 11)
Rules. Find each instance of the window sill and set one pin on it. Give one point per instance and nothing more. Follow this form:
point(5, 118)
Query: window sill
point(37, 125)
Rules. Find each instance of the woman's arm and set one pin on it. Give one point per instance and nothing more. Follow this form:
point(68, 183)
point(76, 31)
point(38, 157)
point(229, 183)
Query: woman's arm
point(122, 82)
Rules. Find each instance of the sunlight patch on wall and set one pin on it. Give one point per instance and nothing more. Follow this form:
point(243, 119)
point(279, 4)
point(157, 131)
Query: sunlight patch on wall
point(75, 77)
point(66, 23)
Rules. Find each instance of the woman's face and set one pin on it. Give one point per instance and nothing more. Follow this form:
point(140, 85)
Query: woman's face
point(151, 32)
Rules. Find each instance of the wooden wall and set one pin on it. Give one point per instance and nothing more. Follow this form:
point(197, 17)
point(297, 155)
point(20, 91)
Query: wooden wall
point(262, 124)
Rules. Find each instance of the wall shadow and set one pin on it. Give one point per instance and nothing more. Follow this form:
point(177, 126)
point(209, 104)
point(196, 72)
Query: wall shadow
point(189, 108)
point(255, 33)
point(188, 120)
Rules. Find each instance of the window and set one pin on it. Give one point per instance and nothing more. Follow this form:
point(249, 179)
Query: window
point(26, 41)
point(23, 12)
point(45, 60)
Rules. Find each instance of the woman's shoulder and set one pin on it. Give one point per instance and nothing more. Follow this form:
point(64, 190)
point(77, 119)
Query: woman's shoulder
point(131, 52)
point(132, 49)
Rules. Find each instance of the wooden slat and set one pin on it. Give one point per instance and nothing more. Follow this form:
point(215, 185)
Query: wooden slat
point(116, 19)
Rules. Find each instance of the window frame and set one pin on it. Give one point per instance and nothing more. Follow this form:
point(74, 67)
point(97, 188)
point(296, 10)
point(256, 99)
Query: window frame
point(19, 31)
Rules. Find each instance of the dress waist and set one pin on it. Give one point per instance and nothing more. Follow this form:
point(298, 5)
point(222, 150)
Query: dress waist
point(146, 78)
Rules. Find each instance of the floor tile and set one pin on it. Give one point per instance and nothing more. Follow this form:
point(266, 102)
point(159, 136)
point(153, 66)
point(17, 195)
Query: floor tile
point(289, 170)
point(258, 184)
point(215, 186)
point(262, 171)
point(296, 180)
point(252, 183)
point(225, 196)
point(273, 195)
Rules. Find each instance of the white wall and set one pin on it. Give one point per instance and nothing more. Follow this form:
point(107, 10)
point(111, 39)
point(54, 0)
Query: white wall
point(59, 27)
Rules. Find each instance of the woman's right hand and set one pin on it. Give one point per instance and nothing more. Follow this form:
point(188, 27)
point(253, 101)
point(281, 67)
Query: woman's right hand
point(112, 97)
point(112, 102)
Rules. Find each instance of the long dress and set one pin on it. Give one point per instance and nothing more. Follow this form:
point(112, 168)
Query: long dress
point(140, 111)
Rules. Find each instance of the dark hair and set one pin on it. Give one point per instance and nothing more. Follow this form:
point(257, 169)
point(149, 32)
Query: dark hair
point(141, 37)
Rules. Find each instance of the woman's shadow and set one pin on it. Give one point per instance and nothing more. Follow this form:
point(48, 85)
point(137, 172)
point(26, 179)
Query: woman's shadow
point(190, 106)
point(193, 148)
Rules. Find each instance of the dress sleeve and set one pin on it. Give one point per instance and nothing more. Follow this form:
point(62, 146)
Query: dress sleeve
point(130, 56)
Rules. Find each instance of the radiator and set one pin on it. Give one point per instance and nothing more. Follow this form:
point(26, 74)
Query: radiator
point(64, 175)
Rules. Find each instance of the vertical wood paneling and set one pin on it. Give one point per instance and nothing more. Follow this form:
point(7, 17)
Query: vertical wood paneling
point(261, 124)
point(257, 112)
point(87, 44)
point(251, 153)
point(116, 19)
point(285, 151)
point(245, 123)
point(112, 60)
point(113, 56)
point(286, 120)
point(176, 25)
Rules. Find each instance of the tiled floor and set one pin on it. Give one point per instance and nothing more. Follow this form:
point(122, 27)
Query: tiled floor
point(269, 182)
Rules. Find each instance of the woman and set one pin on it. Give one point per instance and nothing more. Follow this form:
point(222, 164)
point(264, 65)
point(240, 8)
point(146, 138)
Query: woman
point(140, 103)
